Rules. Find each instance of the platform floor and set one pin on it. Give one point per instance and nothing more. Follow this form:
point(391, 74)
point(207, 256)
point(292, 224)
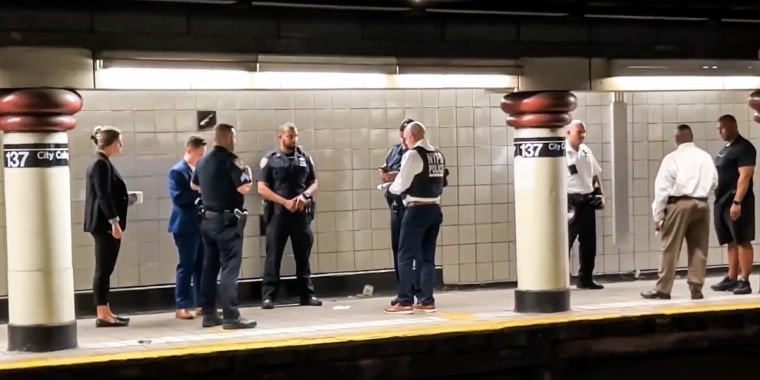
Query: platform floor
point(352, 319)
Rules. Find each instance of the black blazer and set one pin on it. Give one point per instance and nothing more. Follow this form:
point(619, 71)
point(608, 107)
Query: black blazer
point(106, 196)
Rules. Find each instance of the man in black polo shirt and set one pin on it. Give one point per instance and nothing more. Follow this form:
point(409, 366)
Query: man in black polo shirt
point(735, 205)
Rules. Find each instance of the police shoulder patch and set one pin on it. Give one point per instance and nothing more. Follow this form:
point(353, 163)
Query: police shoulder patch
point(265, 160)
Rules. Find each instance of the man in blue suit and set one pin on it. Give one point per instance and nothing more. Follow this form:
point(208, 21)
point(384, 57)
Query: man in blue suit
point(185, 226)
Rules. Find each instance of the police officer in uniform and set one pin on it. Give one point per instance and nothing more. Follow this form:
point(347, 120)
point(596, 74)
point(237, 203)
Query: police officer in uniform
point(388, 172)
point(420, 183)
point(584, 197)
point(222, 180)
point(287, 182)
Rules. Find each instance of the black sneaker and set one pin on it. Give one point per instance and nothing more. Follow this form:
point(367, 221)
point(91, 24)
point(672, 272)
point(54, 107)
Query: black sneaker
point(742, 287)
point(725, 285)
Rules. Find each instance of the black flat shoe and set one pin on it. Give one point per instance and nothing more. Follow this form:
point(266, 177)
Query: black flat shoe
point(120, 318)
point(106, 323)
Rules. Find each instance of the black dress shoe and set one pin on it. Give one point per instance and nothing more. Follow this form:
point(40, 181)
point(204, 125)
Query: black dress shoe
point(106, 323)
point(311, 301)
point(589, 285)
point(237, 324)
point(654, 294)
point(211, 321)
point(267, 304)
point(697, 294)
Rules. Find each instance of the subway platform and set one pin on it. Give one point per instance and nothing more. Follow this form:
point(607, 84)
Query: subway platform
point(474, 332)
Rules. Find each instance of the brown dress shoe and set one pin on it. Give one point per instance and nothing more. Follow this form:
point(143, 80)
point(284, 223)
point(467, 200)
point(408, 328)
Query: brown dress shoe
point(184, 314)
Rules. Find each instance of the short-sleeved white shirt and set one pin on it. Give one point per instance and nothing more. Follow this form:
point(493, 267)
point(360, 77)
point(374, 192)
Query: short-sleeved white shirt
point(587, 167)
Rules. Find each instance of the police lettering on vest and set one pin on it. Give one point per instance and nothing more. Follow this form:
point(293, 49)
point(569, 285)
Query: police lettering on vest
point(429, 182)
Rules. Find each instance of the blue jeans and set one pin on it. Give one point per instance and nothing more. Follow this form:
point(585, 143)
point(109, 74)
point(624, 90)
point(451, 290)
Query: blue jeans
point(417, 241)
point(187, 290)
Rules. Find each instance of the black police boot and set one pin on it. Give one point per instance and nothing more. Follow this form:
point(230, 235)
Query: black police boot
point(238, 324)
point(211, 321)
point(267, 304)
point(311, 301)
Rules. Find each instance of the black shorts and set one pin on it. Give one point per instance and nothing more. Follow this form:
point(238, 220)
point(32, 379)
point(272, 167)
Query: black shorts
point(738, 231)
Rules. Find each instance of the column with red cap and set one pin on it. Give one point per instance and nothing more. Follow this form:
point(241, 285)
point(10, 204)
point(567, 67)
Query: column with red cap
point(539, 119)
point(41, 315)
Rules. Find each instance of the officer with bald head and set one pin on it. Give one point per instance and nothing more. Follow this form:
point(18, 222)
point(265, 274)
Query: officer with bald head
point(287, 182)
point(419, 183)
point(584, 197)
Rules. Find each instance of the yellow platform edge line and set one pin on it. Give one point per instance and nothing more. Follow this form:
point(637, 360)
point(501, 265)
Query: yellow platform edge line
point(370, 335)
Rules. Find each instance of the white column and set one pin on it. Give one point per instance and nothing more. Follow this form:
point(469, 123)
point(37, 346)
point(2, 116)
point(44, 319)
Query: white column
point(38, 218)
point(540, 215)
point(540, 174)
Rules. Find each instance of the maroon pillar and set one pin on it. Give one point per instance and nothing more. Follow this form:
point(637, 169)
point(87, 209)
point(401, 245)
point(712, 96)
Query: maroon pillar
point(540, 170)
point(754, 103)
point(38, 217)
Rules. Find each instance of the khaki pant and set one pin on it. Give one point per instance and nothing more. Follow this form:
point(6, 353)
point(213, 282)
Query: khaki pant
point(689, 219)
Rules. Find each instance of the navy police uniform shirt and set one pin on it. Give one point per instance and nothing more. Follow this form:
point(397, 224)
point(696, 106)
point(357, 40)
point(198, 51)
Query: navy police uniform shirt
point(288, 174)
point(393, 158)
point(219, 173)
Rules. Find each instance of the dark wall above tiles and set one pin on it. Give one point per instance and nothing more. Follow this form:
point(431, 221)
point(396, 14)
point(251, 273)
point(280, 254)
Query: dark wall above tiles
point(172, 26)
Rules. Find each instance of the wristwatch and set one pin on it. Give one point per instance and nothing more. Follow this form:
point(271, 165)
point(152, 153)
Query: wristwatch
point(737, 202)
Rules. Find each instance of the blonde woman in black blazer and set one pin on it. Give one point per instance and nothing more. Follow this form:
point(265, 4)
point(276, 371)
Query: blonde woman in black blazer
point(106, 204)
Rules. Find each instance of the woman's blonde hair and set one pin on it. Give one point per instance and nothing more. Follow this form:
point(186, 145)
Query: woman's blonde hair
point(104, 136)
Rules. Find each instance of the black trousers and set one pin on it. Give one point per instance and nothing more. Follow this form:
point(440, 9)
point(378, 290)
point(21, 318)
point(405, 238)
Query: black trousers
point(297, 227)
point(223, 255)
point(583, 228)
point(106, 252)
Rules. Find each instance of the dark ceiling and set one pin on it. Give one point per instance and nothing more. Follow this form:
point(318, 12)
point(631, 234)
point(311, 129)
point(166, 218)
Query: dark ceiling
point(403, 28)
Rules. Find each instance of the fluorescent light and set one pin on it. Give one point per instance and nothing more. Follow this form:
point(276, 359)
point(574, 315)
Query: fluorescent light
point(455, 81)
point(677, 83)
point(171, 79)
point(211, 79)
point(314, 80)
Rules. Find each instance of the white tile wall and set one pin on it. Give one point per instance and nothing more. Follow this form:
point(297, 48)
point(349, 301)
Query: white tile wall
point(348, 133)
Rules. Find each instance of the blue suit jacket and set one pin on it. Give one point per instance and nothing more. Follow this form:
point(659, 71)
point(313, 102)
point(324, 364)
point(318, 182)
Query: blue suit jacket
point(184, 217)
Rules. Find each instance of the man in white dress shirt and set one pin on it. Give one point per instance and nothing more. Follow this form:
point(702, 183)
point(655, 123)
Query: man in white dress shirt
point(419, 183)
point(685, 180)
point(584, 197)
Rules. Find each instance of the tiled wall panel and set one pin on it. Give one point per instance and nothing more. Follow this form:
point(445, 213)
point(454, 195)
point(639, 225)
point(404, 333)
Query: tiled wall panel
point(348, 133)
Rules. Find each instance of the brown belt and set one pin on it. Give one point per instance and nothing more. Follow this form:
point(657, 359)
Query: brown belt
point(417, 203)
point(685, 197)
